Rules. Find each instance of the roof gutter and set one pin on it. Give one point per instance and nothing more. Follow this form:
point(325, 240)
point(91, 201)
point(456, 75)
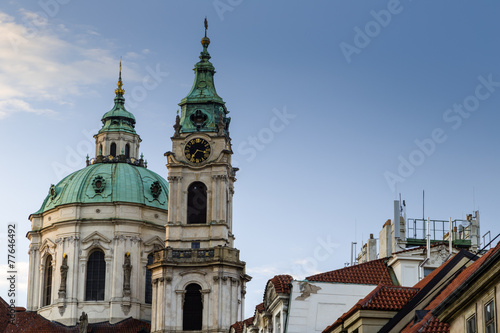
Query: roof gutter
point(420, 267)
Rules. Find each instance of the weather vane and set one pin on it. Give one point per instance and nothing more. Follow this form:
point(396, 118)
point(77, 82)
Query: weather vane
point(206, 26)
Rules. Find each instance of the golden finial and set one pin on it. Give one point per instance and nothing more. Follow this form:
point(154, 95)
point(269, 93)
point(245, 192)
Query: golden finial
point(64, 255)
point(127, 254)
point(205, 41)
point(120, 91)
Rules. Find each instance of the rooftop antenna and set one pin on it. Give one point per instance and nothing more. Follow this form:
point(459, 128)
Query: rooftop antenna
point(355, 234)
point(353, 251)
point(423, 204)
point(423, 210)
point(474, 198)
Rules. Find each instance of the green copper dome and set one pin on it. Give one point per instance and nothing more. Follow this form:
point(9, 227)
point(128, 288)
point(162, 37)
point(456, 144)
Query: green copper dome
point(107, 183)
point(118, 119)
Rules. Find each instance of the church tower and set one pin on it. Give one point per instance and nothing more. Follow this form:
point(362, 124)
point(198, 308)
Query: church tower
point(198, 279)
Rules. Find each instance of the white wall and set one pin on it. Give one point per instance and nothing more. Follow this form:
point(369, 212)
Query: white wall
point(319, 310)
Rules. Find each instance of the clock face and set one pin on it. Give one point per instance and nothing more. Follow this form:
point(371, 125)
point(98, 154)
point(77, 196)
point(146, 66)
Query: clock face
point(197, 150)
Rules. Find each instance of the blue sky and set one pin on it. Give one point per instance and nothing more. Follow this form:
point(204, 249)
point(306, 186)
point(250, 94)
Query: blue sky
point(336, 106)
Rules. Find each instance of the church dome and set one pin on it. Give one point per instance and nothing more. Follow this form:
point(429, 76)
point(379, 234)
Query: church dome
point(108, 183)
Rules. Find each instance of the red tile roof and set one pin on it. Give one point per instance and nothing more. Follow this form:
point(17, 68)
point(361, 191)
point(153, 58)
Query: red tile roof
point(248, 321)
point(389, 298)
point(432, 324)
point(29, 321)
point(382, 298)
point(32, 322)
point(435, 326)
point(282, 283)
point(4, 314)
point(259, 308)
point(373, 272)
point(464, 275)
point(237, 326)
point(428, 324)
point(129, 325)
point(240, 325)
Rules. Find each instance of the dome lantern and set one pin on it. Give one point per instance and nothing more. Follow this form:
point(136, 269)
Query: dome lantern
point(117, 140)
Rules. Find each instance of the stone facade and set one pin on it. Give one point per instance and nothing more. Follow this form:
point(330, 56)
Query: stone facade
point(198, 279)
point(75, 231)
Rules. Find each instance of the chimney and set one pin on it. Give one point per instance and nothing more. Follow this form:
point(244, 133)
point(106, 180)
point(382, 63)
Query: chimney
point(372, 248)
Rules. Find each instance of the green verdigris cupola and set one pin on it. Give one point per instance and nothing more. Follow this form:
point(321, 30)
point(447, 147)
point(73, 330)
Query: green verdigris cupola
point(202, 110)
point(117, 138)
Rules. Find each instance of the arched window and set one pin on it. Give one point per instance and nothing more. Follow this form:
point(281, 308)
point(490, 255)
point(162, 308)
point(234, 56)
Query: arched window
point(100, 149)
point(96, 277)
point(113, 149)
point(193, 308)
point(197, 203)
point(127, 151)
point(47, 286)
point(149, 286)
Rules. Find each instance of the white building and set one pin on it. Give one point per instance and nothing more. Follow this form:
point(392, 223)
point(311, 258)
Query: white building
point(312, 304)
point(96, 231)
point(309, 305)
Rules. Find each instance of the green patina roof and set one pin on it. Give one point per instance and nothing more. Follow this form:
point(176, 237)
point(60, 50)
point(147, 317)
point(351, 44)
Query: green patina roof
point(203, 89)
point(118, 118)
point(203, 110)
point(120, 182)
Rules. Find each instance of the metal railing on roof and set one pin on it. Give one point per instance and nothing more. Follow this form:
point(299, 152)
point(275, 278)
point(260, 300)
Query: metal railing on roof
point(439, 229)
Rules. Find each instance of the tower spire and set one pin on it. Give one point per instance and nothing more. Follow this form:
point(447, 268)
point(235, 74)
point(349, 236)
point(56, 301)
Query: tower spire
point(118, 118)
point(120, 91)
point(200, 109)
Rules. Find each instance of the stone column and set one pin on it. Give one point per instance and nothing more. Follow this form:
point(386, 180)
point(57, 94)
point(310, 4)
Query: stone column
point(33, 279)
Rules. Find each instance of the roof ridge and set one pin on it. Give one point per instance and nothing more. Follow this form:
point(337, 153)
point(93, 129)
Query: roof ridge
point(373, 272)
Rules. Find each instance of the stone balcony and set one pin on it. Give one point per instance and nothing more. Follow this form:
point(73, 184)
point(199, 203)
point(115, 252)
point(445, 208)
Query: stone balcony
point(218, 254)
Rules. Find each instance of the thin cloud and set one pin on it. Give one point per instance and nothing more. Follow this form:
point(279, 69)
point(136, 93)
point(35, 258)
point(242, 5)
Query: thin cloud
point(263, 271)
point(45, 63)
point(10, 106)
